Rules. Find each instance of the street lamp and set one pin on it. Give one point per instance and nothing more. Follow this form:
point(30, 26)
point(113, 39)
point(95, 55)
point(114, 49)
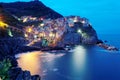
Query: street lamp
point(79, 31)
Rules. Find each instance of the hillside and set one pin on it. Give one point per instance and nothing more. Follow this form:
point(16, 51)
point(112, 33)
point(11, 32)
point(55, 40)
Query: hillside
point(33, 8)
point(7, 18)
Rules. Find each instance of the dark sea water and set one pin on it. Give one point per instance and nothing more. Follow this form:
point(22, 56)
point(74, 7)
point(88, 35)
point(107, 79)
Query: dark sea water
point(81, 63)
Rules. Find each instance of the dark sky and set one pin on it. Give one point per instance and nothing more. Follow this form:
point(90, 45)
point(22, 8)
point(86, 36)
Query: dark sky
point(103, 14)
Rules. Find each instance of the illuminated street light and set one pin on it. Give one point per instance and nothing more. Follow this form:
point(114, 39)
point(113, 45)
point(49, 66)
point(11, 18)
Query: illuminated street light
point(75, 19)
point(79, 31)
point(35, 36)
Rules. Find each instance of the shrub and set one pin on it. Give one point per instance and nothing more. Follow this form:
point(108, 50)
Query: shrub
point(5, 65)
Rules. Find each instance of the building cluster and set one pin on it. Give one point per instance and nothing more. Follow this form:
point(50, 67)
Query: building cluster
point(50, 31)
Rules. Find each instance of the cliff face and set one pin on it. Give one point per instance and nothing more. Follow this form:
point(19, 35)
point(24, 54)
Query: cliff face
point(80, 34)
point(33, 8)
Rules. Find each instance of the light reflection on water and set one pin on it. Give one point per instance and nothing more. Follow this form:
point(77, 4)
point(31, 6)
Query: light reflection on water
point(33, 61)
point(79, 57)
point(30, 61)
point(59, 66)
point(79, 61)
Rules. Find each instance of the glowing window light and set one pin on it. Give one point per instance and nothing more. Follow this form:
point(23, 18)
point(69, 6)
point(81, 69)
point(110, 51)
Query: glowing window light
point(42, 24)
point(51, 34)
point(34, 18)
point(35, 36)
point(25, 20)
point(29, 30)
point(83, 22)
point(75, 20)
point(26, 35)
point(40, 35)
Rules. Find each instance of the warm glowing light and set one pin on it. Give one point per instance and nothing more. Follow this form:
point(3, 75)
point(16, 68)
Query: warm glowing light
point(30, 61)
point(34, 18)
point(51, 35)
point(51, 30)
point(42, 24)
point(29, 29)
point(25, 20)
point(26, 35)
point(40, 34)
point(3, 25)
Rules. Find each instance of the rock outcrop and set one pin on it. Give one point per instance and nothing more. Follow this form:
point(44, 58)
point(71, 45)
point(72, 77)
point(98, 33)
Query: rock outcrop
point(86, 35)
point(19, 74)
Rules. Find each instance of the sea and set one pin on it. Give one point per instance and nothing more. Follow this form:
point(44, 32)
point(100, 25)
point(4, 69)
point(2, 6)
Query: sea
point(84, 62)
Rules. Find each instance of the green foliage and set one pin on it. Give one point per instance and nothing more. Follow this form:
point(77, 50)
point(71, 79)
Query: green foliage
point(5, 65)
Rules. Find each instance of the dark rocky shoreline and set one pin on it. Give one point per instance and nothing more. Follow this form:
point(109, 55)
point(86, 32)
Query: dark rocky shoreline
point(16, 73)
point(8, 49)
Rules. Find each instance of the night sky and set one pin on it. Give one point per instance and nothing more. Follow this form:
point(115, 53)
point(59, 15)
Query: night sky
point(104, 15)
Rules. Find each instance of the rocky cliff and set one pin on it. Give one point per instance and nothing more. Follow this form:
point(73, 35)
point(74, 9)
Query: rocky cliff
point(79, 34)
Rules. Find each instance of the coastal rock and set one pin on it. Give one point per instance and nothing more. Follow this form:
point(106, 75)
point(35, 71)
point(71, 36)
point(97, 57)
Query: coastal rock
point(18, 74)
point(35, 77)
point(11, 46)
point(16, 71)
point(26, 75)
point(71, 39)
point(86, 35)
